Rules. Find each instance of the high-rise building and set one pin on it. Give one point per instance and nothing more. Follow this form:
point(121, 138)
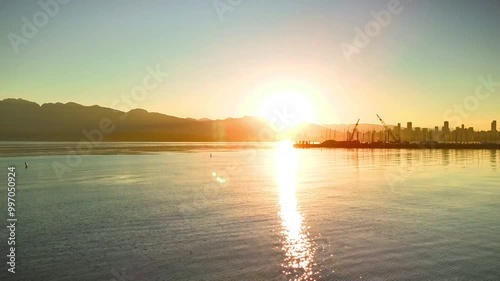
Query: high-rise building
point(494, 132)
point(398, 131)
point(470, 134)
point(409, 131)
point(446, 127)
point(425, 134)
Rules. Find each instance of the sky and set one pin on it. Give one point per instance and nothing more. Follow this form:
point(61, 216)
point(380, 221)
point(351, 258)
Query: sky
point(423, 61)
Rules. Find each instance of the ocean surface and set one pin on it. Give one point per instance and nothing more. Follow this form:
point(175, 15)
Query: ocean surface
point(250, 211)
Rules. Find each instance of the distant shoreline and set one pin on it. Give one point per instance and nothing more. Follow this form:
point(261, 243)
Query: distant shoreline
point(428, 145)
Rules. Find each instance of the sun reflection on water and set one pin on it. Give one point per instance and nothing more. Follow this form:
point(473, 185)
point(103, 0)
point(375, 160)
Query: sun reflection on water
point(296, 242)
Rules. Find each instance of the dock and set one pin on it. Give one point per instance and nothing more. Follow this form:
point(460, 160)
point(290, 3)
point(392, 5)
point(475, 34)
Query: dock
point(387, 145)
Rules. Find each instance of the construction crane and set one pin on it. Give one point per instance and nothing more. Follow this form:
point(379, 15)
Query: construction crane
point(353, 131)
point(396, 139)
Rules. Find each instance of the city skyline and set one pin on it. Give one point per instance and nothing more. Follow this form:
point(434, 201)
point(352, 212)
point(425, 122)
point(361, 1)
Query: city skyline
point(417, 134)
point(446, 133)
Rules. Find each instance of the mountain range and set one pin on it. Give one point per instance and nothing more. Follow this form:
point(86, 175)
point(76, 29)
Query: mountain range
point(22, 120)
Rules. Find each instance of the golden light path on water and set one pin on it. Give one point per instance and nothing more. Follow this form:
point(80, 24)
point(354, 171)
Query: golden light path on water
point(296, 242)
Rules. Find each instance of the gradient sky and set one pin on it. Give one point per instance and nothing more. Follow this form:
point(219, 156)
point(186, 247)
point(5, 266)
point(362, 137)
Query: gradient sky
point(424, 62)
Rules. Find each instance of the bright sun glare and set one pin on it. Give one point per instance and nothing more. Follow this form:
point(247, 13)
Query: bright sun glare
point(287, 110)
point(296, 242)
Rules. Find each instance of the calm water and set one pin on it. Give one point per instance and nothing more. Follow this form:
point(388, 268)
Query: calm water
point(136, 211)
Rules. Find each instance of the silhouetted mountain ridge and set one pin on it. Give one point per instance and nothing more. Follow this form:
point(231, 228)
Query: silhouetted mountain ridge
point(22, 120)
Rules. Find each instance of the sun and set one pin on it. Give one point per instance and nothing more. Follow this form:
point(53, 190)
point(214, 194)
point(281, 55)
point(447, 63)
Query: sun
point(287, 109)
